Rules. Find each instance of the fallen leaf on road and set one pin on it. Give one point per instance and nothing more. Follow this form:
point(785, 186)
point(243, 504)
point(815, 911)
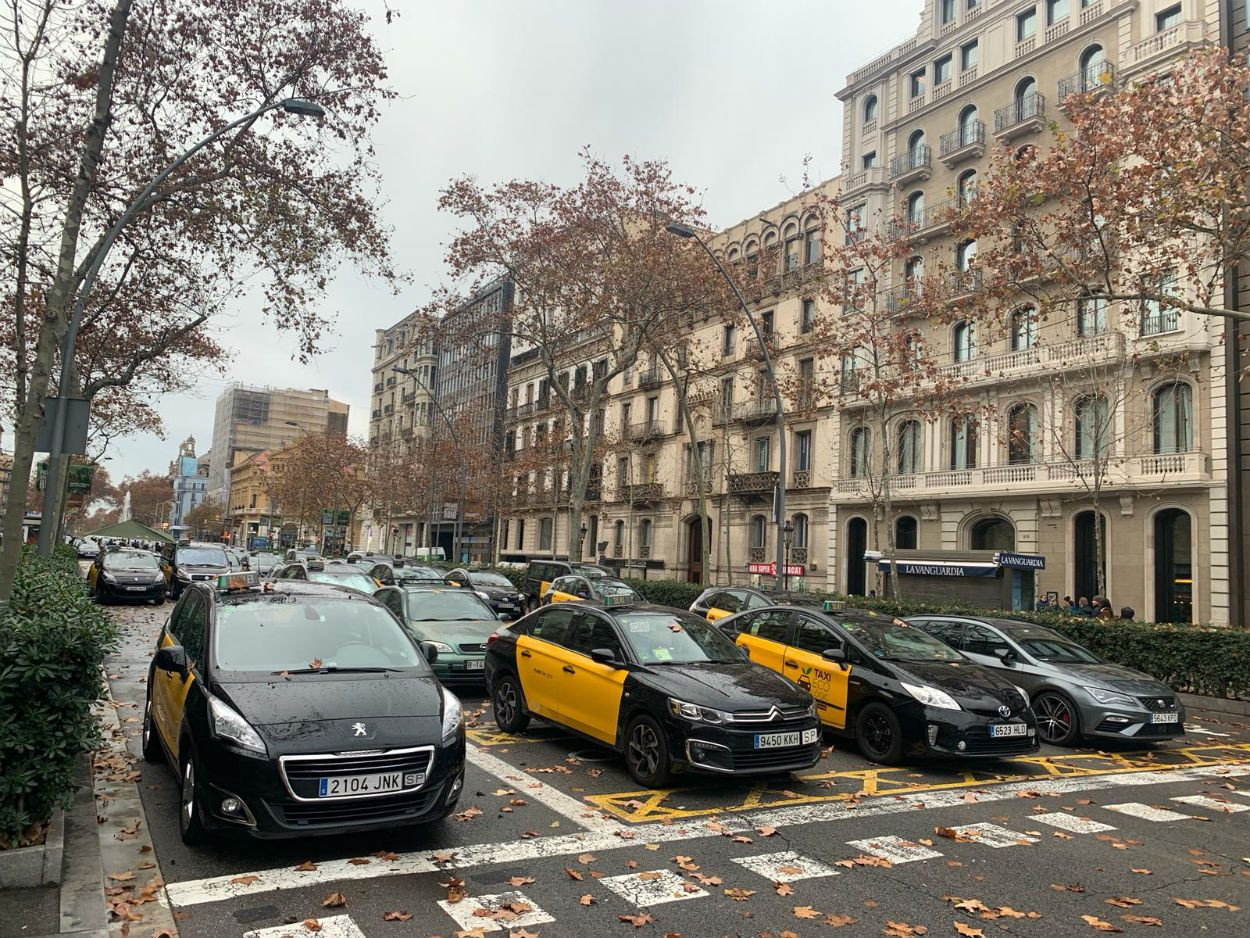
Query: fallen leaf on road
point(739, 895)
point(1143, 920)
point(642, 918)
point(649, 877)
point(358, 861)
point(766, 831)
point(1123, 902)
point(632, 864)
point(587, 858)
point(312, 924)
point(739, 839)
point(469, 813)
point(387, 855)
point(790, 870)
point(399, 915)
point(520, 880)
point(708, 880)
point(308, 866)
point(1067, 887)
point(962, 928)
point(285, 675)
point(805, 911)
point(1205, 904)
point(1143, 872)
point(122, 877)
point(587, 899)
point(522, 933)
point(245, 880)
point(335, 900)
point(471, 933)
point(315, 663)
point(1093, 921)
point(837, 921)
point(952, 835)
point(685, 863)
point(455, 889)
point(902, 930)
point(569, 872)
point(783, 889)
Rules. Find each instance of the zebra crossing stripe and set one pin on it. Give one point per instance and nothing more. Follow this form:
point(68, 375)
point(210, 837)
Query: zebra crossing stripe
point(465, 912)
point(1147, 813)
point(336, 926)
point(1072, 823)
point(785, 867)
point(895, 849)
point(652, 887)
point(1211, 804)
point(991, 835)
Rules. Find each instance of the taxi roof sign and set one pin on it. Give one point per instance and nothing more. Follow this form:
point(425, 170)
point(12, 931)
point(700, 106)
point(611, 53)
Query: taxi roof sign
point(617, 599)
point(237, 582)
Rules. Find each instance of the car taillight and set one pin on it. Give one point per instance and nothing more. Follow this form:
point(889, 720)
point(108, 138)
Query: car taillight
point(491, 637)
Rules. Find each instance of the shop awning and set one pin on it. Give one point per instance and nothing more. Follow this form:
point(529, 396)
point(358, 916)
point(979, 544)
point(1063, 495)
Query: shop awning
point(961, 563)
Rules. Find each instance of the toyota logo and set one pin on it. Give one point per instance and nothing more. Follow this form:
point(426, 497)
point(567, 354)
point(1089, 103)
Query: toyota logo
point(1004, 710)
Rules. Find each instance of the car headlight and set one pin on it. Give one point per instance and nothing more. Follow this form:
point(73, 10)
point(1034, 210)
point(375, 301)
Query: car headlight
point(442, 648)
point(109, 578)
point(228, 724)
point(931, 696)
point(485, 595)
point(1112, 697)
point(453, 715)
point(689, 711)
point(1023, 693)
point(183, 575)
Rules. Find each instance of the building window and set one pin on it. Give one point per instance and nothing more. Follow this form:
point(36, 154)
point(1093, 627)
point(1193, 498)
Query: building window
point(644, 533)
point(622, 472)
point(727, 395)
point(799, 536)
point(762, 447)
point(729, 339)
point(1056, 10)
point(966, 187)
point(913, 271)
point(869, 160)
point(1174, 572)
point(811, 246)
point(1021, 434)
point(1023, 329)
point(968, 126)
point(963, 442)
point(942, 70)
point(520, 535)
point(807, 382)
point(759, 531)
point(546, 533)
point(1026, 25)
point(1157, 318)
point(909, 446)
point(916, 84)
point(803, 443)
point(860, 452)
point(1166, 19)
point(870, 109)
point(915, 209)
point(807, 315)
point(948, 12)
point(968, 56)
point(1092, 426)
point(992, 534)
point(905, 533)
point(1091, 315)
point(618, 535)
point(1172, 410)
point(965, 341)
point(766, 322)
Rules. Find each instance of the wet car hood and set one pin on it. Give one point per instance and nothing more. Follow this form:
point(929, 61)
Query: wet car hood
point(322, 713)
point(1112, 676)
point(734, 685)
point(201, 569)
point(454, 632)
point(498, 592)
point(973, 686)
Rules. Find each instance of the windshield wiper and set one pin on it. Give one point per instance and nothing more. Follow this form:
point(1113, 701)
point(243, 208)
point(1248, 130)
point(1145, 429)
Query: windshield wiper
point(335, 669)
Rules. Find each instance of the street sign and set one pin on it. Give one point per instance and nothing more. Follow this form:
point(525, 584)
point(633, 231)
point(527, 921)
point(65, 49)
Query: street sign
point(80, 477)
point(450, 511)
point(770, 569)
point(77, 414)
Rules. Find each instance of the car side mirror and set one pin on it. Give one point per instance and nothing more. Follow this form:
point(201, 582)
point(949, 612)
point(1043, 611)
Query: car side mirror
point(172, 658)
point(744, 651)
point(1005, 655)
point(834, 654)
point(606, 656)
point(430, 651)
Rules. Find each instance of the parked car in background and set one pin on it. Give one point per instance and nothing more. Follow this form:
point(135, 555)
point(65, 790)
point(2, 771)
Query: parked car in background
point(1076, 695)
point(456, 621)
point(263, 561)
point(87, 548)
point(124, 573)
point(721, 601)
point(575, 587)
point(301, 554)
point(193, 562)
point(317, 571)
point(540, 573)
point(495, 588)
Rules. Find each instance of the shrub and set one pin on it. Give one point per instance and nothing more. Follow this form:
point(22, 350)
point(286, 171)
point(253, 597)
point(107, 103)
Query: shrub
point(53, 640)
point(675, 593)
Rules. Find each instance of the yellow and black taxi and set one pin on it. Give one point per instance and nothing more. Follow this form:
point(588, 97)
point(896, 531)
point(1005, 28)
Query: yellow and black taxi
point(579, 588)
point(539, 574)
point(493, 587)
point(298, 710)
point(127, 573)
point(661, 686)
point(457, 622)
point(898, 690)
point(721, 601)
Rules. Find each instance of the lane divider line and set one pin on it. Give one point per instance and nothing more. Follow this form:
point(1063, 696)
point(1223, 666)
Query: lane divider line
point(583, 815)
point(334, 926)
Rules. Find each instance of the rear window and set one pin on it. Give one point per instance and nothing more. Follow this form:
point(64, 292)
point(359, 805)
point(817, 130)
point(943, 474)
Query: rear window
point(126, 561)
point(206, 556)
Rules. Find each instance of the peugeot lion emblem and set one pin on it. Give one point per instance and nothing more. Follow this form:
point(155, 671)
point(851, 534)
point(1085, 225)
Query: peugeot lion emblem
point(360, 729)
point(1004, 710)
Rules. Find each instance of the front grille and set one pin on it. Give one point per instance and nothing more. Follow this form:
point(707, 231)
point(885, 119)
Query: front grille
point(1155, 729)
point(472, 647)
point(393, 807)
point(1158, 704)
point(772, 717)
point(773, 758)
point(301, 773)
point(978, 740)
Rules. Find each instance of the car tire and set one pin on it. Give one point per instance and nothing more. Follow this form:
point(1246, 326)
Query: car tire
point(879, 735)
point(646, 753)
point(190, 821)
point(508, 700)
point(1058, 720)
point(152, 751)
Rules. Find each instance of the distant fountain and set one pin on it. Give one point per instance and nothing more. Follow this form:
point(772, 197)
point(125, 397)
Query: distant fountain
point(125, 515)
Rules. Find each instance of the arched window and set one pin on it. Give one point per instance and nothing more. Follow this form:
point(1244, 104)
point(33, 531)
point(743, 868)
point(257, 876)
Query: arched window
point(970, 130)
point(860, 451)
point(909, 447)
point(644, 533)
point(963, 442)
point(734, 255)
point(759, 532)
point(965, 251)
point(1028, 102)
point(965, 341)
point(870, 109)
point(1172, 412)
point(992, 534)
point(1094, 71)
point(913, 270)
point(1092, 427)
point(915, 209)
point(1174, 571)
point(1025, 87)
point(915, 147)
point(618, 535)
point(1021, 434)
point(799, 537)
point(966, 187)
point(1023, 329)
point(905, 530)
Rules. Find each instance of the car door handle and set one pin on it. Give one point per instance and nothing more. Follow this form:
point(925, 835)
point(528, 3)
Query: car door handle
point(567, 669)
point(792, 664)
point(525, 654)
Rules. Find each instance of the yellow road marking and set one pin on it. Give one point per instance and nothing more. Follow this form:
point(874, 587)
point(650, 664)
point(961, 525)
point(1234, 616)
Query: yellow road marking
point(659, 805)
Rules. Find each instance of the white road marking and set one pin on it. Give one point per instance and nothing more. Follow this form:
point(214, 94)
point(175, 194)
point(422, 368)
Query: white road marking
point(1203, 731)
point(219, 888)
point(780, 867)
point(659, 887)
point(564, 805)
point(1212, 804)
point(994, 836)
point(463, 912)
point(895, 849)
point(336, 926)
point(1072, 822)
point(1146, 812)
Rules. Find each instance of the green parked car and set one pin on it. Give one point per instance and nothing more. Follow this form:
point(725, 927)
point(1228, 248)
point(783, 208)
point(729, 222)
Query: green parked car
point(457, 621)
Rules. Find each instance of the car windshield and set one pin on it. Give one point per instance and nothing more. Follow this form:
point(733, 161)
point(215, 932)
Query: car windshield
point(264, 561)
point(235, 562)
point(891, 641)
point(592, 573)
point(418, 573)
point(605, 586)
point(343, 576)
point(679, 638)
point(1046, 649)
point(446, 606)
point(489, 578)
point(203, 556)
point(292, 632)
point(136, 561)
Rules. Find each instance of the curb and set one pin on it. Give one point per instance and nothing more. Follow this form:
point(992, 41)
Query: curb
point(1223, 708)
point(40, 865)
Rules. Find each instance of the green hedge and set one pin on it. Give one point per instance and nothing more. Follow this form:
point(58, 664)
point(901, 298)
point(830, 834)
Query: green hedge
point(53, 640)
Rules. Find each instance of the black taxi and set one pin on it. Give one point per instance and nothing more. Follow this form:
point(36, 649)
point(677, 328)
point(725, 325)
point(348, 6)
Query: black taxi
point(288, 711)
point(661, 686)
point(898, 690)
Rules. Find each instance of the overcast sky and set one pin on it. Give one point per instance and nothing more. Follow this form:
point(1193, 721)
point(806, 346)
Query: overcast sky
point(733, 93)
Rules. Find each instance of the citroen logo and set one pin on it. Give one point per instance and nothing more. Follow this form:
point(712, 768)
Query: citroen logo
point(1004, 710)
point(359, 729)
point(775, 714)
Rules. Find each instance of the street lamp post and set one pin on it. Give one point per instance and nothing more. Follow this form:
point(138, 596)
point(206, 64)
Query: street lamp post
point(787, 532)
point(56, 451)
point(581, 541)
point(458, 534)
point(779, 493)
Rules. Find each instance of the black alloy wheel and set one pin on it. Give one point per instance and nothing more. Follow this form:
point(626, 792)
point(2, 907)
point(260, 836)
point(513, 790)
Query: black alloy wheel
point(646, 753)
point(1057, 720)
point(879, 735)
point(509, 700)
point(151, 745)
point(190, 821)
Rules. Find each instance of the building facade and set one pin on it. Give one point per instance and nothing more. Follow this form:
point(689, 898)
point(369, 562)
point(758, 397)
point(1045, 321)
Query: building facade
point(190, 487)
point(253, 419)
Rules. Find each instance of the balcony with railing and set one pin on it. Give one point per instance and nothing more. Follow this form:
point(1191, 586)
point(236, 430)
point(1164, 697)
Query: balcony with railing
point(642, 493)
point(388, 408)
point(1095, 77)
point(961, 283)
point(865, 179)
point(914, 165)
point(1184, 35)
point(377, 413)
point(963, 143)
point(644, 431)
point(801, 479)
point(1025, 115)
point(693, 486)
point(650, 378)
point(924, 224)
point(753, 484)
point(763, 410)
point(377, 388)
point(1080, 352)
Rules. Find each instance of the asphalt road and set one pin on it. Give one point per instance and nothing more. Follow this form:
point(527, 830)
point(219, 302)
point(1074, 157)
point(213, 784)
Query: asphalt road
point(561, 842)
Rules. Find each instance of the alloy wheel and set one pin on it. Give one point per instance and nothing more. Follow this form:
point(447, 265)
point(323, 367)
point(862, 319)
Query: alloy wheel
point(1054, 717)
point(878, 733)
point(505, 703)
point(187, 805)
point(644, 750)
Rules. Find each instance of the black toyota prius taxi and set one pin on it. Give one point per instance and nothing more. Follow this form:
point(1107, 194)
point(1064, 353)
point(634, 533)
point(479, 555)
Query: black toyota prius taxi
point(287, 712)
point(659, 685)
